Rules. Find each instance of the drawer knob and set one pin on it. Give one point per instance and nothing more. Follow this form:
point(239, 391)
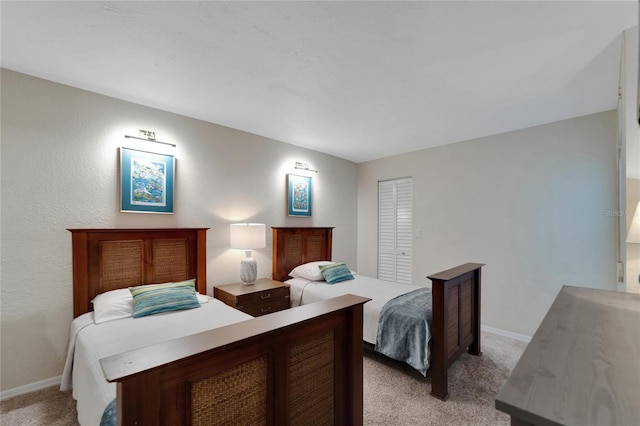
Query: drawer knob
point(263, 310)
point(265, 296)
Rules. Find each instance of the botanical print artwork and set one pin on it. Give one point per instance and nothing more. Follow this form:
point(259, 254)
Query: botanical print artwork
point(148, 182)
point(300, 196)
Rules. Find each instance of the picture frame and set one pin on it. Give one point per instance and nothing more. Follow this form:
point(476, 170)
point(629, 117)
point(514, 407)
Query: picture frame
point(299, 195)
point(146, 181)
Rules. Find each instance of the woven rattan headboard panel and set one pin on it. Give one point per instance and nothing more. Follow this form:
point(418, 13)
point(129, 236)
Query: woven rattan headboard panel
point(295, 246)
point(109, 259)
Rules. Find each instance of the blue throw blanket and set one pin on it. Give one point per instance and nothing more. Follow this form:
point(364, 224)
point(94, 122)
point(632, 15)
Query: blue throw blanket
point(109, 416)
point(404, 329)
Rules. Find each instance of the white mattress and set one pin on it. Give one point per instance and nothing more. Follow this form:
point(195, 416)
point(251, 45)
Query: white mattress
point(380, 292)
point(89, 342)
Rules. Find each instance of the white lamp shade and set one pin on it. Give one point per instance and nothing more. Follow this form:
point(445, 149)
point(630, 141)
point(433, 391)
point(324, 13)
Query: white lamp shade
point(247, 235)
point(633, 236)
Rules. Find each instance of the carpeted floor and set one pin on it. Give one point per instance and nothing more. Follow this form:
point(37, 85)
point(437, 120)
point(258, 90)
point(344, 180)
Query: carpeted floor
point(46, 407)
point(393, 394)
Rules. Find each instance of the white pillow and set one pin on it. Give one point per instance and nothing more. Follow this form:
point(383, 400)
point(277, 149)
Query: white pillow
point(112, 305)
point(310, 271)
point(118, 304)
point(203, 298)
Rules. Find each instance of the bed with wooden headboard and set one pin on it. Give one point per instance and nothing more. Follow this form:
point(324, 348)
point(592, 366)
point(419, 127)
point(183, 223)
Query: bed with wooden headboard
point(455, 326)
point(186, 380)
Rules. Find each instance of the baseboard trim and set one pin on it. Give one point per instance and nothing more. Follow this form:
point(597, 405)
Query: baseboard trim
point(32, 387)
point(505, 333)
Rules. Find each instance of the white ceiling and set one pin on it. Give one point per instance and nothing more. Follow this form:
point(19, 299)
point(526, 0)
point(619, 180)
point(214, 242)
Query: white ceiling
point(358, 80)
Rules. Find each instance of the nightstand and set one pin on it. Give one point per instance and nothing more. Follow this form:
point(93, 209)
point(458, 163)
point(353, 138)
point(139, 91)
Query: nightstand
point(263, 297)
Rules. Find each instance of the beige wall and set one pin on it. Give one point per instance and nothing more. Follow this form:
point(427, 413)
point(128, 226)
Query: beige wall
point(60, 170)
point(632, 273)
point(629, 103)
point(534, 205)
point(630, 133)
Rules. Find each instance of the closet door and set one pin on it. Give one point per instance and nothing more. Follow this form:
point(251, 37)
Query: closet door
point(394, 230)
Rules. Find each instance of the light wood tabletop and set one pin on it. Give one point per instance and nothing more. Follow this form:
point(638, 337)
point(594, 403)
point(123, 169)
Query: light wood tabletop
point(582, 366)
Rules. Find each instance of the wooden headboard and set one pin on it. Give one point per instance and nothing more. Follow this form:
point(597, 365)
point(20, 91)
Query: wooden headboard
point(109, 259)
point(295, 246)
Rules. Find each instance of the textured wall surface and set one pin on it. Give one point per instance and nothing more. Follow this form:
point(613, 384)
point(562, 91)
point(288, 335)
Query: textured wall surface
point(632, 274)
point(60, 170)
point(534, 205)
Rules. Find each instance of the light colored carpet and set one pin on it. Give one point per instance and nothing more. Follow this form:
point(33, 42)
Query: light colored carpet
point(394, 395)
point(45, 407)
point(398, 395)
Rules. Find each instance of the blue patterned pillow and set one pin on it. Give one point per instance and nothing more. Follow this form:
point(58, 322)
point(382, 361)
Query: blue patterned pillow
point(336, 272)
point(155, 298)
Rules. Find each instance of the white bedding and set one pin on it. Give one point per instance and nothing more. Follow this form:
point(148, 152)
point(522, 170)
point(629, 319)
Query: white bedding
point(303, 291)
point(89, 342)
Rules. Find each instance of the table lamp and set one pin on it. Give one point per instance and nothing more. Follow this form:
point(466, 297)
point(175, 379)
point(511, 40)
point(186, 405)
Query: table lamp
point(248, 236)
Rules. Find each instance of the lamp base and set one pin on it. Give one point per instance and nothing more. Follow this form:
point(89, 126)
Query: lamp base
point(248, 269)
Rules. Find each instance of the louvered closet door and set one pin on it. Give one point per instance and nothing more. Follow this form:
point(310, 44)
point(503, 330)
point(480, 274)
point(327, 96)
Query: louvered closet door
point(394, 230)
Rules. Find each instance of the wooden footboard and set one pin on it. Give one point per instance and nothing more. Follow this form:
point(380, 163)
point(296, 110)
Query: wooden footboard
point(456, 321)
point(295, 367)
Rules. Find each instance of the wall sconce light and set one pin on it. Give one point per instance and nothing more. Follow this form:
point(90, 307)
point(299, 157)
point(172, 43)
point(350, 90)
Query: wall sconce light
point(247, 236)
point(149, 136)
point(305, 167)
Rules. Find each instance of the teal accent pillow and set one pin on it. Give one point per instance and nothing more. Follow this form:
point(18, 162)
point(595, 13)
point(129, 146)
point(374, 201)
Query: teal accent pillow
point(155, 298)
point(336, 272)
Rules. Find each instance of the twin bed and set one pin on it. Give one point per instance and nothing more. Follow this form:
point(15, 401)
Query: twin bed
point(207, 365)
point(216, 365)
point(446, 323)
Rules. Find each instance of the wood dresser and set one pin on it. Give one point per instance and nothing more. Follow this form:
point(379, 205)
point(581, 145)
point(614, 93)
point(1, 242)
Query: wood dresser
point(263, 297)
point(582, 366)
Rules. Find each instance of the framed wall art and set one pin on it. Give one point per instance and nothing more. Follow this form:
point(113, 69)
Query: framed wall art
point(146, 181)
point(299, 195)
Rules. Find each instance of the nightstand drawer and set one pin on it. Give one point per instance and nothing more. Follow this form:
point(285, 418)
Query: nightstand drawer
point(266, 308)
point(265, 296)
